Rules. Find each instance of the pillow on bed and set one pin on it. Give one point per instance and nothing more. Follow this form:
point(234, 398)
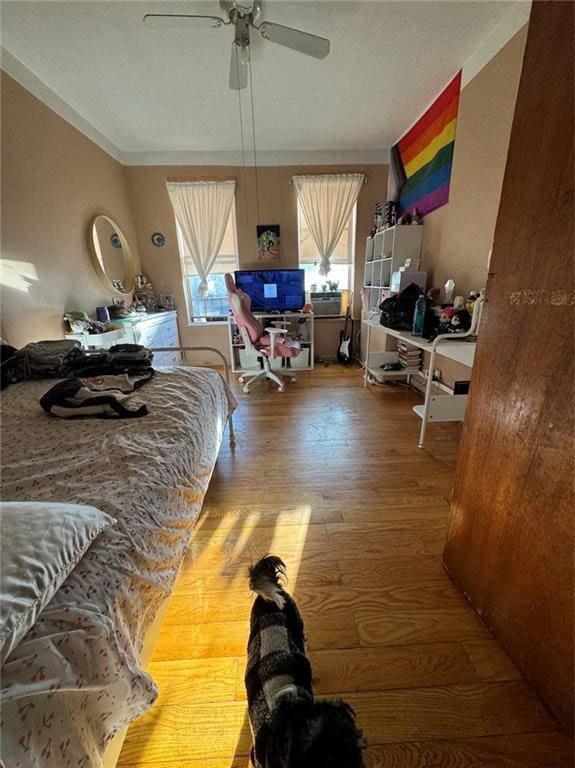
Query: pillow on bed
point(41, 543)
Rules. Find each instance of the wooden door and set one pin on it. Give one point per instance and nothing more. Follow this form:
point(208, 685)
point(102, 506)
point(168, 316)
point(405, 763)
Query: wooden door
point(510, 545)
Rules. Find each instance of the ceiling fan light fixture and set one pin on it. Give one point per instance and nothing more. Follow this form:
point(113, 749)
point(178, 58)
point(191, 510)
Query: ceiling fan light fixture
point(241, 18)
point(244, 55)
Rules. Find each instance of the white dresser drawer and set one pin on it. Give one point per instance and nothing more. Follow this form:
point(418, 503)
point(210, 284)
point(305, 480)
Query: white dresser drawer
point(160, 330)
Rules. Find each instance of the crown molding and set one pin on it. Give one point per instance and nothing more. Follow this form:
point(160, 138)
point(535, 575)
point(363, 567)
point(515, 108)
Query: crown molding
point(264, 158)
point(500, 35)
point(28, 80)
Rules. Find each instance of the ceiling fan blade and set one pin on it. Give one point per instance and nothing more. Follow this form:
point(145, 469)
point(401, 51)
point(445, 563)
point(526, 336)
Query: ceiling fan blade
point(312, 45)
point(238, 68)
point(182, 20)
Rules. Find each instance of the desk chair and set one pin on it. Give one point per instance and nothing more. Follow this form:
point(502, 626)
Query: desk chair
point(267, 343)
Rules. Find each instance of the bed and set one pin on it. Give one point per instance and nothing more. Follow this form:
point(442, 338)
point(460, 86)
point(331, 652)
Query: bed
point(76, 679)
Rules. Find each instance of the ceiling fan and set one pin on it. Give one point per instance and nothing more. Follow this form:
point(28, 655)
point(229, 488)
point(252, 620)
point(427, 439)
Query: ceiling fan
point(243, 17)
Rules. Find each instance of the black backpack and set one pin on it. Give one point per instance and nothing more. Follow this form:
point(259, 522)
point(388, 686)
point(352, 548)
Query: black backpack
point(397, 311)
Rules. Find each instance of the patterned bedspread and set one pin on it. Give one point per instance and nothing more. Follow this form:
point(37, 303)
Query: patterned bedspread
point(75, 679)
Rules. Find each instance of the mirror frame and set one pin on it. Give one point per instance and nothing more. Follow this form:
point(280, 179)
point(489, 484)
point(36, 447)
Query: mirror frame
point(129, 280)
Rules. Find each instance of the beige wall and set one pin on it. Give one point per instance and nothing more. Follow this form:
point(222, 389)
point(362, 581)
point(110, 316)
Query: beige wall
point(54, 180)
point(458, 237)
point(152, 212)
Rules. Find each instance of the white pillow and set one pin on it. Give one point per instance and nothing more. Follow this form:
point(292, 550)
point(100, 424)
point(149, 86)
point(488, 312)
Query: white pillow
point(41, 543)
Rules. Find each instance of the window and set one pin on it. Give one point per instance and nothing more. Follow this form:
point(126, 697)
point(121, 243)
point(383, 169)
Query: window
point(214, 306)
point(341, 261)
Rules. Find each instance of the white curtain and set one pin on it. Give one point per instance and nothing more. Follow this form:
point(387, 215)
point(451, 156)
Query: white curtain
point(202, 209)
point(326, 203)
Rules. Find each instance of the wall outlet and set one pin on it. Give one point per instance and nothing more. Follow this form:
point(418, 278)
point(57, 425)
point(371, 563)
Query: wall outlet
point(437, 374)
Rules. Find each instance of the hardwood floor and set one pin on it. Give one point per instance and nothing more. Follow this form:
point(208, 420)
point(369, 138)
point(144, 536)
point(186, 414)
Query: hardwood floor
point(329, 477)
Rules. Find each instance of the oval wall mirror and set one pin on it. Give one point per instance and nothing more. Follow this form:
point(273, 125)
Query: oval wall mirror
point(112, 259)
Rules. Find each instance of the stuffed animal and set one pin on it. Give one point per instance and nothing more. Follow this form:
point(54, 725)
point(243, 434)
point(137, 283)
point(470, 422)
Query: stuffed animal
point(447, 313)
point(460, 322)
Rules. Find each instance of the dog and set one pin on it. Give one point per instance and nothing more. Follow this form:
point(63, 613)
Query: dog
point(290, 729)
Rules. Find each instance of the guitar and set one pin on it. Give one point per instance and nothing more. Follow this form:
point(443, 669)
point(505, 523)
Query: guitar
point(344, 349)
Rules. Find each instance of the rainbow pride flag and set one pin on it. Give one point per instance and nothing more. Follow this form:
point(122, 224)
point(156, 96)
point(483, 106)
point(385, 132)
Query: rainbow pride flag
point(422, 159)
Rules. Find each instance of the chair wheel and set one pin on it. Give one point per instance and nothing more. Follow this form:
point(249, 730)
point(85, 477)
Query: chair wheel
point(281, 389)
point(293, 378)
point(246, 389)
point(241, 379)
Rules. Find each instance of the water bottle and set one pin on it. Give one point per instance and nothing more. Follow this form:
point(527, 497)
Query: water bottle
point(419, 316)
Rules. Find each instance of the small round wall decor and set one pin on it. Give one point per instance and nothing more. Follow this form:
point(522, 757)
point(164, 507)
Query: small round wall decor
point(158, 239)
point(115, 240)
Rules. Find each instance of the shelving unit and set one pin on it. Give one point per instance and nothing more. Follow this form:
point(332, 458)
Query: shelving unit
point(457, 347)
point(385, 253)
point(298, 325)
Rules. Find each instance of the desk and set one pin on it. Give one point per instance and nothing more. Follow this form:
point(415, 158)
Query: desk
point(452, 346)
point(459, 351)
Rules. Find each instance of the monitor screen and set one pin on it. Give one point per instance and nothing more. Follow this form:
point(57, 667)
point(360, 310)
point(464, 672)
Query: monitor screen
point(273, 290)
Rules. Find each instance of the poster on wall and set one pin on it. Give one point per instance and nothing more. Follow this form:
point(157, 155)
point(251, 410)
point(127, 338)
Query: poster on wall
point(268, 241)
point(421, 160)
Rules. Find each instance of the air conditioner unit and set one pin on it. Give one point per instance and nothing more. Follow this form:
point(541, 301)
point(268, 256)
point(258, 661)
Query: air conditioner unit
point(326, 303)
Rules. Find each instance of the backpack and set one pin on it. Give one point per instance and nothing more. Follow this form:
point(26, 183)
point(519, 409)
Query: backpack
point(101, 397)
point(397, 311)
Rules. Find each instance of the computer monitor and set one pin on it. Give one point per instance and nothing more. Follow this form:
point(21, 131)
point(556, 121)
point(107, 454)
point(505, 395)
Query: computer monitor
point(273, 290)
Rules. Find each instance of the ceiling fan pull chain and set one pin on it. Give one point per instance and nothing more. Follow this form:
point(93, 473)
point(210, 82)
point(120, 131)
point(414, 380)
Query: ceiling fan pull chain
point(243, 145)
point(254, 144)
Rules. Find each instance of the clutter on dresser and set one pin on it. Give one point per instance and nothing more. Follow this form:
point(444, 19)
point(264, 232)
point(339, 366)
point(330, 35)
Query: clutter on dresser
point(166, 301)
point(118, 309)
point(150, 329)
point(80, 323)
point(144, 294)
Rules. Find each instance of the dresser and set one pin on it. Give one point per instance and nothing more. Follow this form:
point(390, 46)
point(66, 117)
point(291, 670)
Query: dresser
point(158, 329)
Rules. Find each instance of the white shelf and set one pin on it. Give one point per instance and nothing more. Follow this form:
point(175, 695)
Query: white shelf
point(380, 375)
point(457, 350)
point(401, 243)
point(443, 408)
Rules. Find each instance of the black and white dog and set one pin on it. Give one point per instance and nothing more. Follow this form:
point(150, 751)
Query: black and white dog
point(290, 728)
